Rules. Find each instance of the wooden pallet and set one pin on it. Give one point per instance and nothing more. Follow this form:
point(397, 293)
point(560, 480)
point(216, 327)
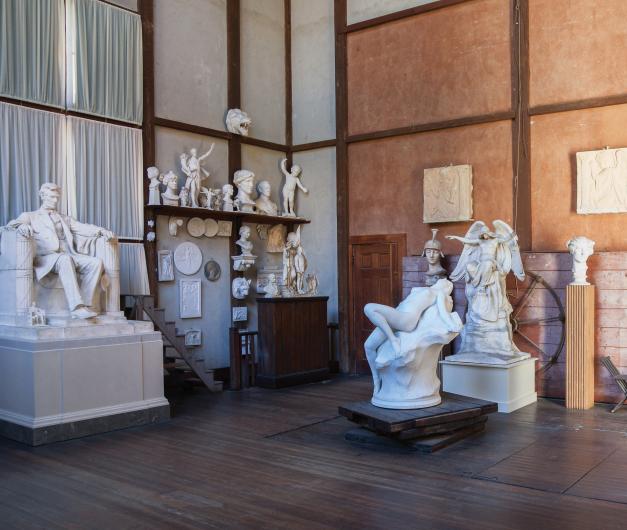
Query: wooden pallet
point(426, 430)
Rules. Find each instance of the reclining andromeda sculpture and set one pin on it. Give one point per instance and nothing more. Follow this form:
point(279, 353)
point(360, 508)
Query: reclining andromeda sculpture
point(403, 351)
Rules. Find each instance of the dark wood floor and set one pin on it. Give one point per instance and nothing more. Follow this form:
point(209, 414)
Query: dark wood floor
point(278, 459)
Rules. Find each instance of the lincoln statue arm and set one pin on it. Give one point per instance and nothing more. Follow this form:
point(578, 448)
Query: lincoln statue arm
point(22, 224)
point(89, 230)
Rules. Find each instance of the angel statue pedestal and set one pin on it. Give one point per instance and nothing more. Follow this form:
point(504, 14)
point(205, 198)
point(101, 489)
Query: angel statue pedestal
point(488, 365)
point(71, 365)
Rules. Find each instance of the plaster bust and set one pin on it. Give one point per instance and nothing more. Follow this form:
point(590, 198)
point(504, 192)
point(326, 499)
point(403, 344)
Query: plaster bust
point(154, 197)
point(245, 182)
point(227, 198)
point(240, 288)
point(243, 242)
point(263, 203)
point(433, 252)
point(238, 122)
point(580, 248)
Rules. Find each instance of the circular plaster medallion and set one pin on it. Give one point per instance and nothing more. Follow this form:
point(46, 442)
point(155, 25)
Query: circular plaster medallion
point(196, 227)
point(212, 270)
point(211, 227)
point(187, 258)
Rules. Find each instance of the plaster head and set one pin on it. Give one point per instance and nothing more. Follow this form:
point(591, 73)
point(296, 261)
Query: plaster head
point(581, 248)
point(240, 288)
point(244, 180)
point(50, 193)
point(227, 189)
point(264, 188)
point(296, 170)
point(153, 172)
point(193, 151)
point(244, 232)
point(433, 249)
point(238, 122)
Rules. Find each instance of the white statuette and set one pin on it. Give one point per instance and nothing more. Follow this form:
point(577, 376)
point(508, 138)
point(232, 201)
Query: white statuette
point(154, 195)
point(188, 258)
point(238, 122)
point(580, 248)
point(165, 266)
point(292, 181)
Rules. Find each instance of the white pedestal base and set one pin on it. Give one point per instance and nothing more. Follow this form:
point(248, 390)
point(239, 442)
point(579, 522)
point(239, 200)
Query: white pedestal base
point(60, 383)
point(512, 386)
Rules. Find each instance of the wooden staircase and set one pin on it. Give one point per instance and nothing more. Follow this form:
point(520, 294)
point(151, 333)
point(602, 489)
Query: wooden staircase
point(146, 305)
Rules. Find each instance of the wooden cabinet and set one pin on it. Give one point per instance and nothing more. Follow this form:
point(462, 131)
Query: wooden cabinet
point(293, 341)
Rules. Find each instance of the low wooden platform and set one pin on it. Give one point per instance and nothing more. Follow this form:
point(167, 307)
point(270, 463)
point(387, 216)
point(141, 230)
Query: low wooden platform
point(426, 430)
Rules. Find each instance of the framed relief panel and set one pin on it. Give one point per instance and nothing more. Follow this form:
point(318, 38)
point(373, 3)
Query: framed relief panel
point(447, 193)
point(189, 298)
point(602, 181)
point(165, 266)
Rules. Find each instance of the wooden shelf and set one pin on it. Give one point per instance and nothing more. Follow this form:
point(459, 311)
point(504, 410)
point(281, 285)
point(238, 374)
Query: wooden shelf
point(204, 213)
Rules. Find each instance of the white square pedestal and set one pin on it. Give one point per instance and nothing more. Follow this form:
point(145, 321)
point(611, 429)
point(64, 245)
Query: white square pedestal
point(58, 383)
point(512, 386)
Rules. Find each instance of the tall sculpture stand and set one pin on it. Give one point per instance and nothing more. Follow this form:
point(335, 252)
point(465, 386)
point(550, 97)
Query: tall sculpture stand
point(579, 346)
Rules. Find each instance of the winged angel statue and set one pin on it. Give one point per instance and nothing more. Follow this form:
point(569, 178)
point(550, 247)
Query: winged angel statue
point(486, 260)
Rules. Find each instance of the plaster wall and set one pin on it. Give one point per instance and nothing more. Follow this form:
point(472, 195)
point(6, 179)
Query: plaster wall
point(386, 180)
point(190, 61)
point(313, 71)
point(359, 10)
point(216, 296)
point(262, 42)
point(424, 69)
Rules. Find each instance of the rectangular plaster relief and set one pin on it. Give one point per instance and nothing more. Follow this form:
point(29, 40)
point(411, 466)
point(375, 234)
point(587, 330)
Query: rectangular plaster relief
point(448, 194)
point(602, 181)
point(189, 298)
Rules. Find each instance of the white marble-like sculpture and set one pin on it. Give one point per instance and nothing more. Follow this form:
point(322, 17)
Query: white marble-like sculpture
point(272, 287)
point(292, 181)
point(276, 239)
point(36, 316)
point(404, 349)
point(193, 337)
point(295, 266)
point(151, 236)
point(263, 203)
point(245, 182)
point(240, 314)
point(191, 166)
point(240, 288)
point(80, 258)
point(580, 248)
point(312, 284)
point(246, 258)
point(484, 264)
point(238, 122)
point(165, 267)
point(190, 305)
point(171, 182)
point(154, 195)
point(184, 197)
point(602, 181)
point(433, 252)
point(188, 258)
point(447, 194)
point(227, 198)
point(174, 223)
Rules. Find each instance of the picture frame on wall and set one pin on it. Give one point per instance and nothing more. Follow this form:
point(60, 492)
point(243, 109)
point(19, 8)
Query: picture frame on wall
point(190, 305)
point(165, 266)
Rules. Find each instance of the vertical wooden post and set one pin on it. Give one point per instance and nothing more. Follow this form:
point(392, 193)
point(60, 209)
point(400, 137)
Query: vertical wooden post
point(235, 377)
point(347, 358)
point(579, 346)
point(289, 140)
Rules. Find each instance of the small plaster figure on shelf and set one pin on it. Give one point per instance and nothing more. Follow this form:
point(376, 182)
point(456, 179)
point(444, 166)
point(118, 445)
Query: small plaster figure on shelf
point(580, 248)
point(272, 289)
point(433, 252)
point(292, 180)
point(171, 183)
point(238, 122)
point(245, 182)
point(246, 259)
point(154, 197)
point(227, 198)
point(263, 203)
point(184, 197)
point(191, 166)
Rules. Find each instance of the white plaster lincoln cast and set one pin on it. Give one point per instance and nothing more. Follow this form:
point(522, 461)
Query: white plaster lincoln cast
point(404, 349)
point(433, 252)
point(484, 264)
point(580, 248)
point(292, 180)
point(238, 122)
point(245, 182)
point(65, 252)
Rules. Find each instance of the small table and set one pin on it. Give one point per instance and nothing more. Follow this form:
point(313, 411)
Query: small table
point(293, 339)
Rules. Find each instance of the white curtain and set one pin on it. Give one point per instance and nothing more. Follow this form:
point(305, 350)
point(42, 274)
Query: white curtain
point(104, 60)
point(32, 151)
point(133, 270)
point(104, 169)
point(32, 59)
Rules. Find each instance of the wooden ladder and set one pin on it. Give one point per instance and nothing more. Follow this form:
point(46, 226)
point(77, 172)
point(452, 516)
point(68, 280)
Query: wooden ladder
point(146, 304)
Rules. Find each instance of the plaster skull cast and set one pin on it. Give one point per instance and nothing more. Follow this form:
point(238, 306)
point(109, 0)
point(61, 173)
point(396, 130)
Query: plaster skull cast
point(245, 182)
point(238, 122)
point(404, 349)
point(485, 262)
point(240, 288)
point(62, 252)
point(433, 252)
point(292, 181)
point(580, 248)
point(154, 196)
point(191, 166)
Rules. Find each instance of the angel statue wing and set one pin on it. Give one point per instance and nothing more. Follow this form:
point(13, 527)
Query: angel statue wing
point(470, 252)
point(508, 253)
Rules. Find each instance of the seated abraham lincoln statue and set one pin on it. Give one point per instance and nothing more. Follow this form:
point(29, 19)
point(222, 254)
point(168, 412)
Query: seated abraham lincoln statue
point(80, 257)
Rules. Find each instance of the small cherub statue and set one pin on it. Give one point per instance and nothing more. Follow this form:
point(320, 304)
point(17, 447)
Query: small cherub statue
point(580, 248)
point(227, 198)
point(154, 197)
point(292, 180)
point(243, 242)
point(433, 252)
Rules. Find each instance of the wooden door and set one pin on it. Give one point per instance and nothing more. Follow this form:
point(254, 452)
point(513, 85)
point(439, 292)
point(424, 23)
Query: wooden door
point(376, 263)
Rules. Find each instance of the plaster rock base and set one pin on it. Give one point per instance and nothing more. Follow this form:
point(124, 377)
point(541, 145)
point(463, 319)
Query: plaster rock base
point(57, 383)
point(512, 385)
